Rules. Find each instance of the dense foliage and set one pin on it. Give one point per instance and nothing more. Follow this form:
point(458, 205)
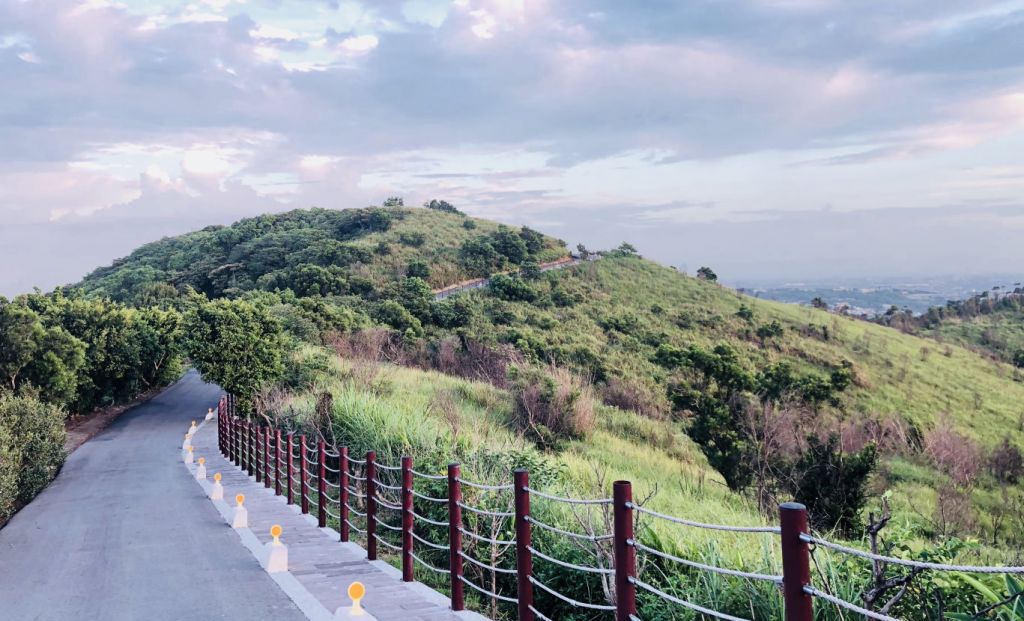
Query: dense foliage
point(31, 449)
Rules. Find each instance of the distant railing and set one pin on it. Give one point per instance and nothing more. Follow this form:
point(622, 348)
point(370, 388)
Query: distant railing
point(479, 283)
point(356, 490)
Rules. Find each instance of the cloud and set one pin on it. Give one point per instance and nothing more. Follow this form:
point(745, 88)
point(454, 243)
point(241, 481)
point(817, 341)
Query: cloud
point(677, 114)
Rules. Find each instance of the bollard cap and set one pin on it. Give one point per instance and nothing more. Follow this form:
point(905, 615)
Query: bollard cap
point(240, 499)
point(202, 460)
point(191, 448)
point(216, 477)
point(356, 591)
point(275, 532)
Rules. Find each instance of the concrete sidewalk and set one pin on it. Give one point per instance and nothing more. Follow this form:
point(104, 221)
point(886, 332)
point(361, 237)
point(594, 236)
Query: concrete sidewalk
point(321, 566)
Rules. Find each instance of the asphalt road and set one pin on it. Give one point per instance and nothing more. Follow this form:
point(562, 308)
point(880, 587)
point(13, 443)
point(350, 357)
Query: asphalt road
point(124, 533)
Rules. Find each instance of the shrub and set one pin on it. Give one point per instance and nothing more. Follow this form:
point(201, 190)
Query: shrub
point(952, 452)
point(512, 289)
point(634, 396)
point(552, 404)
point(414, 239)
point(832, 483)
point(398, 317)
point(418, 269)
point(31, 448)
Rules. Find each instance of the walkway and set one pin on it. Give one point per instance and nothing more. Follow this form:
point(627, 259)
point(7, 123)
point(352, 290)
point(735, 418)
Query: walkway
point(123, 534)
point(319, 562)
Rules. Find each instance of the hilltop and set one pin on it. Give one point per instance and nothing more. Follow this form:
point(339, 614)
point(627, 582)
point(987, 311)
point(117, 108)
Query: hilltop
point(320, 252)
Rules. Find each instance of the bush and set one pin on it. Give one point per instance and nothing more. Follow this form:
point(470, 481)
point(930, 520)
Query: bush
point(635, 396)
point(31, 449)
point(511, 288)
point(552, 404)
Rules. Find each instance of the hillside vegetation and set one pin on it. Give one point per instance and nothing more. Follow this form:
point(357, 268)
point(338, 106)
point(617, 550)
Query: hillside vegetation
point(991, 323)
point(716, 404)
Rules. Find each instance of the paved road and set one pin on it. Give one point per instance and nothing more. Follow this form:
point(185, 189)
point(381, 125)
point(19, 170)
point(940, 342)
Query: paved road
point(122, 533)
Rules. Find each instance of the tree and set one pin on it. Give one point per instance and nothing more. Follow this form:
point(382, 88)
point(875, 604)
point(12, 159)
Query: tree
point(583, 252)
point(819, 302)
point(234, 343)
point(444, 206)
point(745, 313)
point(1018, 359)
point(418, 269)
point(20, 335)
point(831, 484)
point(394, 201)
point(706, 273)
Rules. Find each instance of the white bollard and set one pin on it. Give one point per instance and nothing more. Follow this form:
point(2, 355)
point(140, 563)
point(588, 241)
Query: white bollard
point(201, 470)
point(275, 553)
point(241, 517)
point(209, 414)
point(356, 592)
point(188, 454)
point(192, 429)
point(186, 442)
point(217, 493)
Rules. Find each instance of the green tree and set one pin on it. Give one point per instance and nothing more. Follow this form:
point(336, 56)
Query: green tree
point(444, 206)
point(234, 343)
point(831, 484)
point(394, 201)
point(418, 269)
point(706, 273)
point(20, 336)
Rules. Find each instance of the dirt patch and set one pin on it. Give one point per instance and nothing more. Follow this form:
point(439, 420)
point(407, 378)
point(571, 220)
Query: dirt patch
point(82, 428)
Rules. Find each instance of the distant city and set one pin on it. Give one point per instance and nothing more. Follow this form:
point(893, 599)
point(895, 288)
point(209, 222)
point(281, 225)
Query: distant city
point(871, 297)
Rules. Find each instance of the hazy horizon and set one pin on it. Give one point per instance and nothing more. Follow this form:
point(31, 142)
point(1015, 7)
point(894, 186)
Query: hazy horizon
point(784, 139)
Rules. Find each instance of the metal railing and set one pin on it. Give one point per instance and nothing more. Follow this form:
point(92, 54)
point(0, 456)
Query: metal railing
point(384, 499)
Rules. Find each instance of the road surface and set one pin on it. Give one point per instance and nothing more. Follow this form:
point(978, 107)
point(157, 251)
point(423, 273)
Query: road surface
point(124, 533)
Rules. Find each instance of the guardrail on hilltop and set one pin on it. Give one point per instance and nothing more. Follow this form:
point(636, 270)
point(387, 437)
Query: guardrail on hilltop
point(480, 283)
point(348, 489)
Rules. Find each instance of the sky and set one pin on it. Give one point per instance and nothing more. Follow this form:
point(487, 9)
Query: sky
point(780, 139)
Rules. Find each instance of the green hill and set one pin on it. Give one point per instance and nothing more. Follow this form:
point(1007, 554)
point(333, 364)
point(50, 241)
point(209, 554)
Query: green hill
point(318, 252)
point(991, 323)
point(749, 381)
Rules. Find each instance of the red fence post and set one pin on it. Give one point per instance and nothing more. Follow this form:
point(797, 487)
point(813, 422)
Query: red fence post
point(234, 439)
point(303, 484)
point(252, 449)
point(625, 553)
point(407, 567)
point(259, 445)
point(455, 537)
point(244, 429)
point(321, 487)
point(277, 462)
point(524, 558)
point(371, 505)
point(266, 457)
point(290, 467)
point(343, 492)
point(796, 562)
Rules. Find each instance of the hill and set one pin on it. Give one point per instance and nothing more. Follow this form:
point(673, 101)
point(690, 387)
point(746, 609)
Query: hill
point(757, 387)
point(991, 323)
point(321, 252)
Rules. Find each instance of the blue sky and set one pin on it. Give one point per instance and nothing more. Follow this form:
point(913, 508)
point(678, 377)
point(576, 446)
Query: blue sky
point(790, 138)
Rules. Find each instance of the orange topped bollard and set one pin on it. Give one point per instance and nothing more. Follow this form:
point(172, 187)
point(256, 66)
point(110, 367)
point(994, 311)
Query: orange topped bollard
point(240, 519)
point(217, 493)
point(188, 454)
point(201, 470)
point(356, 592)
point(275, 553)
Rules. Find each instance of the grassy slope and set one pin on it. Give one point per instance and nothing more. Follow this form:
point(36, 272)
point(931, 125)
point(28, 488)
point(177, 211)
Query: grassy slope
point(1001, 333)
point(897, 374)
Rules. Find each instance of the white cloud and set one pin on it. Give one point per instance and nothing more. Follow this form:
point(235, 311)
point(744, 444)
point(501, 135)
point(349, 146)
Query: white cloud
point(360, 44)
